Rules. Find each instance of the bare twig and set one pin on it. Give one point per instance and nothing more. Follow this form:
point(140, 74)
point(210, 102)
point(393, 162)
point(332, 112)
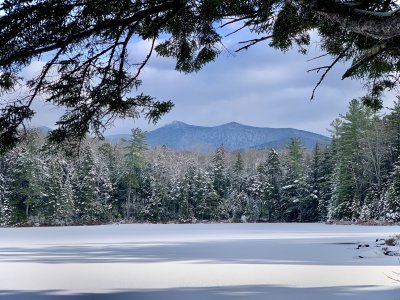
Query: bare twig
point(252, 42)
point(237, 30)
point(122, 59)
point(328, 68)
point(317, 57)
point(233, 21)
point(42, 77)
point(318, 69)
point(144, 63)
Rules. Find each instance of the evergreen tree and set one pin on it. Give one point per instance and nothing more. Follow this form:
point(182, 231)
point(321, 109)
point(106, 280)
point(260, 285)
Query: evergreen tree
point(239, 164)
point(59, 200)
point(273, 193)
point(293, 181)
point(315, 206)
point(112, 156)
point(237, 174)
point(3, 197)
point(87, 208)
point(392, 127)
point(194, 195)
point(133, 171)
point(5, 209)
point(104, 191)
point(154, 209)
point(181, 197)
point(218, 172)
point(207, 197)
point(392, 208)
point(255, 188)
point(27, 178)
point(237, 203)
point(325, 172)
point(375, 145)
point(350, 182)
point(157, 201)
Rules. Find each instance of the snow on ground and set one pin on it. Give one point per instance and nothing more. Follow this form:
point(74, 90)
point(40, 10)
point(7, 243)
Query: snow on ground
point(201, 261)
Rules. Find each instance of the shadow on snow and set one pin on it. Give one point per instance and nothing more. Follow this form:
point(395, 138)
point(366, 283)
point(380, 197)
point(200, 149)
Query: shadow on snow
point(218, 293)
point(256, 251)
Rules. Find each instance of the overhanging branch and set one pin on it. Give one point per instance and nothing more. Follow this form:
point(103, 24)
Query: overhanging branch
point(378, 25)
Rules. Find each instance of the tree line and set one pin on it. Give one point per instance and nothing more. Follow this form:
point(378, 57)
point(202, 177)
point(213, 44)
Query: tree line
point(355, 178)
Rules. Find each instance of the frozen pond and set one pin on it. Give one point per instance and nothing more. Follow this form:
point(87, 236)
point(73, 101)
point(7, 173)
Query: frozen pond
point(202, 261)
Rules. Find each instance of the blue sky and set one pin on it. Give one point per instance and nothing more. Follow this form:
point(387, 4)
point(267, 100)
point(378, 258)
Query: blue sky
point(260, 87)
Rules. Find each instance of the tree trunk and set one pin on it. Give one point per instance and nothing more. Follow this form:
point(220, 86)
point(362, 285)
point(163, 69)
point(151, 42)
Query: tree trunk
point(379, 25)
point(128, 203)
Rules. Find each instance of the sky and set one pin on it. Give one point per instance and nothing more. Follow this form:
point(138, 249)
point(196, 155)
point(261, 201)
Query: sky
point(261, 87)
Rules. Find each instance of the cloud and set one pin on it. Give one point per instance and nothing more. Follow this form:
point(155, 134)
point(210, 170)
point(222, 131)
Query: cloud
point(260, 87)
point(33, 69)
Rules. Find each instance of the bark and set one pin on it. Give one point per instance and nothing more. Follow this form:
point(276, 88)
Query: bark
point(368, 56)
point(378, 25)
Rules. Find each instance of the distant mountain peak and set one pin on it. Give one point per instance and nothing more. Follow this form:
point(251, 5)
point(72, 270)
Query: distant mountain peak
point(176, 124)
point(42, 129)
point(233, 135)
point(232, 124)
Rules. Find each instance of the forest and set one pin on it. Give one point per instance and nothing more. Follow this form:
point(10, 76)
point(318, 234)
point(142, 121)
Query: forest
point(356, 179)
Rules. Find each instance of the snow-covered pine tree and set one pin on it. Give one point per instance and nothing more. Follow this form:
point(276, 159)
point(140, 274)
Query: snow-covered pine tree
point(237, 202)
point(58, 202)
point(237, 174)
point(154, 209)
point(220, 182)
point(5, 209)
point(200, 194)
point(376, 147)
point(185, 195)
point(392, 129)
point(157, 202)
point(133, 171)
point(308, 200)
point(255, 189)
point(325, 182)
point(112, 156)
point(218, 171)
point(104, 191)
point(318, 180)
point(26, 180)
point(85, 179)
point(239, 163)
point(3, 195)
point(293, 181)
point(209, 197)
point(350, 183)
point(273, 193)
point(392, 207)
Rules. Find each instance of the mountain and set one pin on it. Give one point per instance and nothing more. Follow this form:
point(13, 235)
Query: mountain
point(42, 129)
point(234, 136)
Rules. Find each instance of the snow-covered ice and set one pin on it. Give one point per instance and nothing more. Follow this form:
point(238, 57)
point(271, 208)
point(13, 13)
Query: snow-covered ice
point(201, 261)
